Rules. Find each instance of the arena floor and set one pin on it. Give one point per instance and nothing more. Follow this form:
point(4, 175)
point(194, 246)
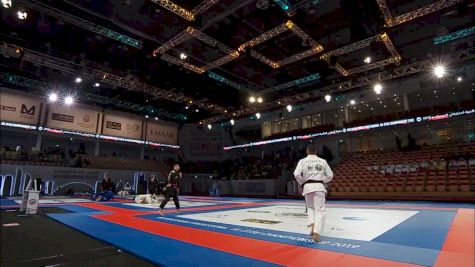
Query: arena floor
point(264, 232)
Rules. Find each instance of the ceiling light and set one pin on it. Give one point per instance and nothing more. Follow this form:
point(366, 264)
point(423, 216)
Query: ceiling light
point(459, 79)
point(187, 107)
point(7, 3)
point(289, 108)
point(252, 99)
point(197, 110)
point(156, 118)
point(183, 56)
point(328, 98)
point(352, 102)
point(258, 115)
point(69, 100)
point(259, 100)
point(367, 60)
point(78, 80)
point(231, 121)
point(53, 97)
point(146, 116)
point(439, 71)
point(378, 88)
point(210, 126)
point(97, 84)
point(22, 15)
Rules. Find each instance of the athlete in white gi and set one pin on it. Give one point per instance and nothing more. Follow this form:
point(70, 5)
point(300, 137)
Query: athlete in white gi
point(312, 173)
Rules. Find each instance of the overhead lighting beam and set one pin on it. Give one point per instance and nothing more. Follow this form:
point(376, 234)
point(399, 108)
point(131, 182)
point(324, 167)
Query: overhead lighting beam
point(79, 22)
point(187, 34)
point(182, 12)
point(288, 26)
point(409, 69)
point(392, 21)
point(454, 35)
point(103, 77)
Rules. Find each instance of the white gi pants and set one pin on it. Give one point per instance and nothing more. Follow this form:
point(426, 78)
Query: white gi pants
point(316, 210)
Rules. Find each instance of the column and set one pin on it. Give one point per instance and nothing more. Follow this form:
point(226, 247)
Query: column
point(406, 102)
point(142, 152)
point(39, 141)
point(347, 114)
point(96, 148)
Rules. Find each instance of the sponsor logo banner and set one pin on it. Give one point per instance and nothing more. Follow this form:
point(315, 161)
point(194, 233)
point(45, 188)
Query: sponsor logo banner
point(161, 133)
point(122, 125)
point(62, 117)
point(20, 109)
point(113, 125)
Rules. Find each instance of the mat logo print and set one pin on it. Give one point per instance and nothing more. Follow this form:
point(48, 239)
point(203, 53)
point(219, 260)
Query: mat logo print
point(261, 221)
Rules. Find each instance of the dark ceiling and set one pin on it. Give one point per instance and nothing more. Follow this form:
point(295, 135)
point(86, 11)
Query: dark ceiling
point(332, 24)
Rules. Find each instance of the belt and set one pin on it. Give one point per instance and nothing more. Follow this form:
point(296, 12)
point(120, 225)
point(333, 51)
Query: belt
point(312, 182)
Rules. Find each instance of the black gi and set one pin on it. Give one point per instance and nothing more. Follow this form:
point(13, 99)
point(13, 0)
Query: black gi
point(172, 190)
point(153, 187)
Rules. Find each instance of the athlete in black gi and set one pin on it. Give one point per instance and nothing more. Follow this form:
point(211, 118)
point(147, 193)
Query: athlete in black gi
point(172, 188)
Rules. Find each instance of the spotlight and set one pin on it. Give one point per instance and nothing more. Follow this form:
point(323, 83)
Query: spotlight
point(78, 80)
point(97, 84)
point(259, 100)
point(187, 107)
point(156, 118)
point(53, 97)
point(352, 102)
point(252, 99)
point(289, 108)
point(439, 71)
point(183, 56)
point(367, 60)
point(328, 98)
point(459, 79)
point(146, 116)
point(231, 121)
point(258, 115)
point(69, 100)
point(197, 110)
point(6, 3)
point(22, 15)
point(210, 126)
point(378, 88)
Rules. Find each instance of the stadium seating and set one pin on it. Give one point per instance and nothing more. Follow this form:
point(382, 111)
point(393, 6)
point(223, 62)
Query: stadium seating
point(446, 169)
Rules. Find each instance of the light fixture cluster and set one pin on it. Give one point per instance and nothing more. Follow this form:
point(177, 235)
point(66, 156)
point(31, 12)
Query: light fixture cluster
point(68, 100)
point(254, 99)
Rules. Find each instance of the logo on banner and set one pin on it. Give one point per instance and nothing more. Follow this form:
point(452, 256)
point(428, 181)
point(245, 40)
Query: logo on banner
point(62, 117)
point(86, 118)
point(132, 128)
point(155, 132)
point(8, 108)
point(261, 221)
point(113, 125)
point(28, 112)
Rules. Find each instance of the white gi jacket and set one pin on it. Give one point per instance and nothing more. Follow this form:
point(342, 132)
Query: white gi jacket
point(313, 168)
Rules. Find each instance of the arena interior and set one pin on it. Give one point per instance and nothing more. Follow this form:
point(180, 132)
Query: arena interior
point(176, 133)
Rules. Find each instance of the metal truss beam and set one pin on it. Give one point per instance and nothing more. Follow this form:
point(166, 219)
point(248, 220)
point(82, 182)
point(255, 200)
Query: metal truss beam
point(50, 11)
point(350, 48)
point(289, 25)
point(191, 32)
point(186, 14)
point(454, 35)
point(383, 6)
point(72, 68)
point(226, 81)
point(409, 69)
point(182, 63)
point(286, 85)
point(393, 21)
point(41, 87)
